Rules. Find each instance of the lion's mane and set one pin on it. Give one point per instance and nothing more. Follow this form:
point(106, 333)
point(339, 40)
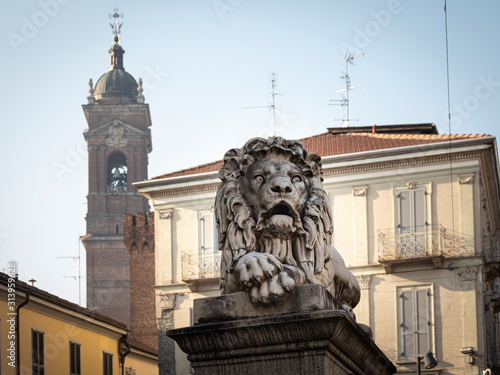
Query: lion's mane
point(238, 233)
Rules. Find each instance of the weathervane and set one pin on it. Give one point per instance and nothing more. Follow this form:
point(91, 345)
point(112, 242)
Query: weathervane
point(116, 26)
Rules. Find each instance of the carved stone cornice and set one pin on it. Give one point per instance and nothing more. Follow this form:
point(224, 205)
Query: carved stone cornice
point(364, 281)
point(359, 191)
point(199, 189)
point(465, 180)
point(411, 185)
point(165, 214)
point(467, 273)
point(167, 306)
point(167, 300)
point(166, 321)
point(398, 163)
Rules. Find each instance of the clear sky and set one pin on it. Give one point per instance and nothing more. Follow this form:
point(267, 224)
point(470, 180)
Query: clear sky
point(201, 62)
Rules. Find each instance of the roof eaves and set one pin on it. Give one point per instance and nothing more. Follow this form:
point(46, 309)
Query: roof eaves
point(51, 298)
point(408, 150)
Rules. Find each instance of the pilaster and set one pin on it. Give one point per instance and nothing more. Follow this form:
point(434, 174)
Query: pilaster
point(363, 309)
point(466, 191)
point(468, 277)
point(164, 259)
point(360, 225)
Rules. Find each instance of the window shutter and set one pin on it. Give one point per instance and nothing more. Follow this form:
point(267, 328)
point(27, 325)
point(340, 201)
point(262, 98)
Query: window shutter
point(407, 325)
point(422, 321)
point(207, 232)
point(419, 209)
point(415, 325)
point(404, 223)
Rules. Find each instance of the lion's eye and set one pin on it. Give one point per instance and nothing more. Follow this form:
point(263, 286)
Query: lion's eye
point(259, 178)
point(296, 179)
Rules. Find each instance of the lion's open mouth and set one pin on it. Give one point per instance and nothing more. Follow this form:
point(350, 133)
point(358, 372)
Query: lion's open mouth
point(281, 209)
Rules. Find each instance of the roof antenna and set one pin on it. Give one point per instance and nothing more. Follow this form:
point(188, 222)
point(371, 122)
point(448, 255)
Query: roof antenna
point(274, 91)
point(344, 102)
point(79, 277)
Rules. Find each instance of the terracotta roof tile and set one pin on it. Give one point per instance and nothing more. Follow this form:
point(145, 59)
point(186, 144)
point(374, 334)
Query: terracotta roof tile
point(330, 144)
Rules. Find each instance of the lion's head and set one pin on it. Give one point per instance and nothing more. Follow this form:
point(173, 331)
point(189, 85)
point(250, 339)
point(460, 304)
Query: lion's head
point(271, 201)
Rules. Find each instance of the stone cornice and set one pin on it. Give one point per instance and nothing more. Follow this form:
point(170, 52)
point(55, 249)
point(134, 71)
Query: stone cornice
point(160, 188)
point(403, 163)
point(184, 191)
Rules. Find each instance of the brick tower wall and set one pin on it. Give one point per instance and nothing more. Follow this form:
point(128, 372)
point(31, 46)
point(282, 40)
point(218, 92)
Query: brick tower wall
point(139, 240)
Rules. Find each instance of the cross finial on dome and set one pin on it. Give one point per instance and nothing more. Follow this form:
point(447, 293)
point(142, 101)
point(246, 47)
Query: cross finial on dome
point(116, 26)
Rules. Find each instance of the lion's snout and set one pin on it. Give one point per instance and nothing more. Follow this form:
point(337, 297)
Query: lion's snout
point(280, 185)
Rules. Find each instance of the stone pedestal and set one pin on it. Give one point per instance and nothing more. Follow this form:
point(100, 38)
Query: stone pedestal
point(307, 334)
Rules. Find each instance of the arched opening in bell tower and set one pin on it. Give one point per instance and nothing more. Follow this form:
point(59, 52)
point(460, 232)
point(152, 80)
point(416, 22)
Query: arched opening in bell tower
point(117, 172)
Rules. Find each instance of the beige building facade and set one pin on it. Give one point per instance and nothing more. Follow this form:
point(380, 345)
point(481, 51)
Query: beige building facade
point(416, 219)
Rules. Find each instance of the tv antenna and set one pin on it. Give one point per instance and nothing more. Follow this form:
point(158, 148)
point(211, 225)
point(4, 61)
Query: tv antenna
point(274, 91)
point(79, 277)
point(344, 102)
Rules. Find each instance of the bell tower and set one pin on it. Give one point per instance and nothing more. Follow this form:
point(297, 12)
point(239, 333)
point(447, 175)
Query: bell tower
point(118, 142)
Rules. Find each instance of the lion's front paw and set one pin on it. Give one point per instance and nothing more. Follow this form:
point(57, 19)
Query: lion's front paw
point(273, 290)
point(254, 269)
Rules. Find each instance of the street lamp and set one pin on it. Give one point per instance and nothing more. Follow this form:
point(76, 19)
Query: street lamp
point(429, 362)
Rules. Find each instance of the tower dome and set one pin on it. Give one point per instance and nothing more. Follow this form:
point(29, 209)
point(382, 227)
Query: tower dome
point(116, 83)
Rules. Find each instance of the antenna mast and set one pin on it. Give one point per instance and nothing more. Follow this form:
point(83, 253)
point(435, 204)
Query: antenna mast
point(349, 57)
point(79, 277)
point(274, 92)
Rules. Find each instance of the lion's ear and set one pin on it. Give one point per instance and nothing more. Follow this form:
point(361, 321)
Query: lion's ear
point(230, 167)
point(314, 161)
point(232, 160)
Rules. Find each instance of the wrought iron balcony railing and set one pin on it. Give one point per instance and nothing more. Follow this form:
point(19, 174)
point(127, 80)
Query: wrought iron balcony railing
point(197, 265)
point(425, 242)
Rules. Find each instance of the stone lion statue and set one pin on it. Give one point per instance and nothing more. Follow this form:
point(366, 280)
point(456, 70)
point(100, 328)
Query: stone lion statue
point(274, 224)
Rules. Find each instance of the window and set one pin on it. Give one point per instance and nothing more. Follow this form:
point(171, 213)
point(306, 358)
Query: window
point(37, 361)
point(74, 358)
point(412, 210)
point(412, 234)
point(207, 230)
point(107, 363)
point(415, 323)
point(209, 255)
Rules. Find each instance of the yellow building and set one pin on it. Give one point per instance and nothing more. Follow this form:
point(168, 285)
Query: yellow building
point(43, 334)
point(416, 217)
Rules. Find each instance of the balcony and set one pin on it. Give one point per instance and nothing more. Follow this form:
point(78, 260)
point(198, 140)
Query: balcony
point(431, 243)
point(199, 267)
point(117, 189)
